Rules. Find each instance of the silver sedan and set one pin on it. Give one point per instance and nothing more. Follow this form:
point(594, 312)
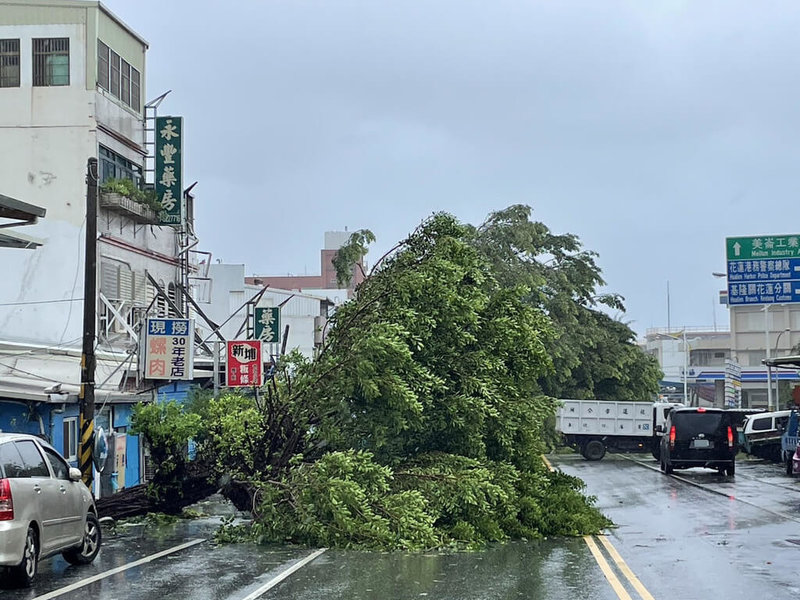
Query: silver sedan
point(45, 509)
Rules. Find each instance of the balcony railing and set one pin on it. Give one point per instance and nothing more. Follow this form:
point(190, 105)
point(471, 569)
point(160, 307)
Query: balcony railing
point(131, 208)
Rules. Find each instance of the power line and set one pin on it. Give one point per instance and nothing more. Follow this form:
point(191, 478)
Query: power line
point(29, 373)
point(28, 303)
point(37, 351)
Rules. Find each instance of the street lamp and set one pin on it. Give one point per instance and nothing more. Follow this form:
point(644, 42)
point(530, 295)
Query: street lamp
point(777, 378)
point(718, 275)
point(686, 350)
point(775, 350)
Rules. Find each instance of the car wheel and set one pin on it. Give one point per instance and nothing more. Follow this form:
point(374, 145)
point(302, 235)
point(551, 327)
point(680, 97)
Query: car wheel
point(668, 468)
point(25, 571)
point(595, 450)
point(90, 546)
point(662, 465)
point(731, 470)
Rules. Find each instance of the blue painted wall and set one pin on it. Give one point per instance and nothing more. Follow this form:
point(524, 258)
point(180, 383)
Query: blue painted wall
point(122, 422)
point(23, 418)
point(19, 418)
point(177, 391)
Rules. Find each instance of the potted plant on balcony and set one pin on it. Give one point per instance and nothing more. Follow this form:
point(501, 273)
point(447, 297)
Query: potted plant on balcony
point(125, 196)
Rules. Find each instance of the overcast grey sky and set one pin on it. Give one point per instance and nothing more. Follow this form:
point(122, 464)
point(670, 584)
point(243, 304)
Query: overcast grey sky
point(652, 130)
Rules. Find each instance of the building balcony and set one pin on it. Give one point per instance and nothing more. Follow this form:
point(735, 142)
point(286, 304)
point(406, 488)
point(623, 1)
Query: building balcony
point(124, 205)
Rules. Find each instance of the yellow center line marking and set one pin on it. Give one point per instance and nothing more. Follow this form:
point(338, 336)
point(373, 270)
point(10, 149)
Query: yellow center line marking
point(621, 592)
point(626, 570)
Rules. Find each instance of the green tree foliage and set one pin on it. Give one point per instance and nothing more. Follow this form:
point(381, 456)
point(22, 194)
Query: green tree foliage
point(435, 356)
point(351, 255)
point(167, 427)
point(593, 356)
point(422, 421)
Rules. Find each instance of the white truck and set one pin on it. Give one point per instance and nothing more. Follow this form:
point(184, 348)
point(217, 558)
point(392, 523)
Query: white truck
point(593, 426)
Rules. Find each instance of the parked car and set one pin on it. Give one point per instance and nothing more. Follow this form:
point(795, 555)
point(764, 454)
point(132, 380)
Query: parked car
point(761, 434)
point(699, 437)
point(45, 509)
point(793, 462)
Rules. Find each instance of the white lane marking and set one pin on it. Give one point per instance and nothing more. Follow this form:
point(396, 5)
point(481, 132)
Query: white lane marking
point(278, 578)
point(98, 577)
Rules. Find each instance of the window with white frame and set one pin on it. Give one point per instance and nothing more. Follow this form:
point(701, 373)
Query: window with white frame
point(50, 61)
point(70, 438)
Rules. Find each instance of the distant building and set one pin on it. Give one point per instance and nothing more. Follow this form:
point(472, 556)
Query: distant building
point(681, 353)
point(326, 280)
point(227, 305)
point(699, 359)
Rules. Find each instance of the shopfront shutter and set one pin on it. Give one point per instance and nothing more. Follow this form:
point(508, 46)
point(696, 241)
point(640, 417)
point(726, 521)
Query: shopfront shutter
point(109, 280)
point(125, 284)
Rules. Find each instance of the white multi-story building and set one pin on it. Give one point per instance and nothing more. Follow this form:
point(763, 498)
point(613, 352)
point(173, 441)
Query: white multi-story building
point(72, 87)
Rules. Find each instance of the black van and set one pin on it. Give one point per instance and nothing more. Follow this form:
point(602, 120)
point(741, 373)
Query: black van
point(699, 437)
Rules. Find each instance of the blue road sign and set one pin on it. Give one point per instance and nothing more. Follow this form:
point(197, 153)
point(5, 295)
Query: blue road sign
point(763, 292)
point(763, 270)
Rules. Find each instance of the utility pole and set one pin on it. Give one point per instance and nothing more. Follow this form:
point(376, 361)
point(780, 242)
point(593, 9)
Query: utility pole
point(685, 369)
point(766, 347)
point(89, 328)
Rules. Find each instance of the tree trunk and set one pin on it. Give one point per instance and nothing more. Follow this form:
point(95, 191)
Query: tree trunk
point(133, 501)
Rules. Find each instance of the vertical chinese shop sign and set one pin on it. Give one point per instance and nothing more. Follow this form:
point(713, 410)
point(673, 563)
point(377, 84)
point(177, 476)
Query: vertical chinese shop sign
point(268, 324)
point(169, 169)
point(244, 365)
point(169, 351)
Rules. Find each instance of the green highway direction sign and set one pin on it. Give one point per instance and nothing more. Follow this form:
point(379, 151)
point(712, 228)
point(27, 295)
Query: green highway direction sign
point(268, 324)
point(763, 247)
point(763, 269)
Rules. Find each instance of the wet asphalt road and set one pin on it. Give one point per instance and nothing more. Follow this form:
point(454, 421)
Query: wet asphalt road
point(701, 535)
point(721, 537)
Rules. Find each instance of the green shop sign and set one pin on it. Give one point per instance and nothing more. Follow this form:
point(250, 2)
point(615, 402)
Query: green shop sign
point(268, 323)
point(169, 169)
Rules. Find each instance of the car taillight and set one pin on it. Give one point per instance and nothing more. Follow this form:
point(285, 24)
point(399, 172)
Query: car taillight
point(730, 437)
point(6, 502)
point(672, 434)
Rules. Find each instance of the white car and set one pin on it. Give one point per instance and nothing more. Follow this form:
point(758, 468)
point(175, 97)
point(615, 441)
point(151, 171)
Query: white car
point(44, 508)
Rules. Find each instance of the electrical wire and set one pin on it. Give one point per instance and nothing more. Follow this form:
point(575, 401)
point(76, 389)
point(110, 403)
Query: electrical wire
point(75, 279)
point(29, 373)
point(31, 302)
point(37, 351)
point(37, 376)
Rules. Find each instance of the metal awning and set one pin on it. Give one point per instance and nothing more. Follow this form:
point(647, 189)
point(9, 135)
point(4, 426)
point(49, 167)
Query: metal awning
point(14, 213)
point(19, 211)
point(10, 239)
point(786, 362)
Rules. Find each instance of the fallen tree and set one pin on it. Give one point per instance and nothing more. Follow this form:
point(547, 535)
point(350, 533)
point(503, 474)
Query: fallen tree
point(422, 421)
point(136, 501)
